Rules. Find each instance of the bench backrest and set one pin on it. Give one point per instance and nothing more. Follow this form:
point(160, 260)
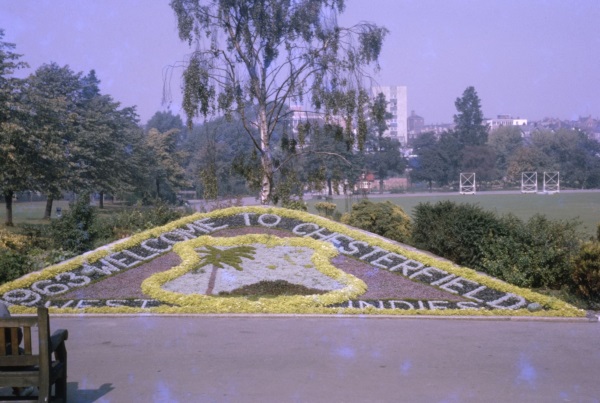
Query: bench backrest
point(11, 356)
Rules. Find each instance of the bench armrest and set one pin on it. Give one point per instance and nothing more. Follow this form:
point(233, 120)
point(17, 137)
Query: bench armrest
point(57, 338)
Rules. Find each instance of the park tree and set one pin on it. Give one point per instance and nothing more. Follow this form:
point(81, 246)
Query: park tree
point(528, 159)
point(52, 95)
point(470, 127)
point(211, 147)
point(328, 161)
point(383, 155)
point(107, 153)
point(450, 151)
point(166, 169)
point(270, 53)
point(572, 153)
point(480, 160)
point(436, 159)
point(165, 121)
point(505, 141)
point(16, 152)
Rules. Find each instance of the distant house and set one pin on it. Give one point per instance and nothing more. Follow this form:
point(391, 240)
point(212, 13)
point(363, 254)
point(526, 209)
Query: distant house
point(505, 120)
point(366, 183)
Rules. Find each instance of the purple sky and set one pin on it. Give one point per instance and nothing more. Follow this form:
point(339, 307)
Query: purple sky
point(529, 59)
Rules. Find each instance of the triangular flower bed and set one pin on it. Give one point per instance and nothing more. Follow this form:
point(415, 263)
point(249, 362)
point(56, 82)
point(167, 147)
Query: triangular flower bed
point(269, 260)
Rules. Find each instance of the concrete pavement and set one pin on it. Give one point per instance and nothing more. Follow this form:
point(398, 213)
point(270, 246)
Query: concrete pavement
point(315, 359)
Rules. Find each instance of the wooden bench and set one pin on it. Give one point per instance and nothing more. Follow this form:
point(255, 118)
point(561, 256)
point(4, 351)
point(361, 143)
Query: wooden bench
point(26, 368)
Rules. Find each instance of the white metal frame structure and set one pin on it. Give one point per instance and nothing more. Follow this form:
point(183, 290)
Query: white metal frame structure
point(551, 182)
point(529, 182)
point(467, 183)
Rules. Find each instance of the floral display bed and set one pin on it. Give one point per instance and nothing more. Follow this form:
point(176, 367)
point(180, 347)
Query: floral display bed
point(268, 260)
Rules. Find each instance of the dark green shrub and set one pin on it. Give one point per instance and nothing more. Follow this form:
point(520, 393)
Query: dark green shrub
point(537, 253)
point(73, 230)
point(38, 235)
point(453, 231)
point(132, 220)
point(325, 208)
point(385, 219)
point(586, 271)
point(296, 205)
point(13, 265)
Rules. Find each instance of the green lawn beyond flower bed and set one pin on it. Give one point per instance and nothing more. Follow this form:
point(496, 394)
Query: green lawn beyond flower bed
point(268, 260)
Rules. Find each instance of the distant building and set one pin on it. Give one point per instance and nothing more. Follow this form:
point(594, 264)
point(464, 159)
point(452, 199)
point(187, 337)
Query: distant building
point(396, 97)
point(415, 122)
point(300, 115)
point(505, 120)
point(415, 125)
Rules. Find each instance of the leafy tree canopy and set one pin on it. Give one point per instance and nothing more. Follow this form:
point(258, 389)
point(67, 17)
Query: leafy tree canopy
point(271, 53)
point(470, 129)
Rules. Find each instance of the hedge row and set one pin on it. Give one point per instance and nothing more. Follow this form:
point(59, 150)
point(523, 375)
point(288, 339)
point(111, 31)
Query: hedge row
point(536, 253)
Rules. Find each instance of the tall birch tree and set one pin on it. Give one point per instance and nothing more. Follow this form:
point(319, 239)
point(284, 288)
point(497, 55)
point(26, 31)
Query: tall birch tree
point(271, 53)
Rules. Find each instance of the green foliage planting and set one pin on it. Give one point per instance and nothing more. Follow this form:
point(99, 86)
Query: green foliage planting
point(299, 205)
point(131, 220)
point(454, 231)
point(73, 231)
point(13, 265)
point(536, 253)
point(325, 208)
point(385, 219)
point(586, 271)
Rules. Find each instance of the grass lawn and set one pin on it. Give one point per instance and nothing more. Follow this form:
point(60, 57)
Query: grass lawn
point(31, 212)
point(584, 206)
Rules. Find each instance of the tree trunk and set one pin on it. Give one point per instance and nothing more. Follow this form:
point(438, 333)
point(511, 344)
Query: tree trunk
point(8, 198)
point(329, 187)
point(380, 185)
point(266, 160)
point(48, 211)
point(101, 201)
point(157, 188)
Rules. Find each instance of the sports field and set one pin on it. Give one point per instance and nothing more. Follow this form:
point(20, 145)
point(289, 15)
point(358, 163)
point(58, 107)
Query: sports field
point(566, 205)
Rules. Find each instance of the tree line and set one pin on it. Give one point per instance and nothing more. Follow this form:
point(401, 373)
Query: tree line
point(502, 155)
point(58, 133)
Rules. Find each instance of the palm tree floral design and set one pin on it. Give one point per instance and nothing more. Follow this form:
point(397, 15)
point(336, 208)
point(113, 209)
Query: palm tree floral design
point(217, 258)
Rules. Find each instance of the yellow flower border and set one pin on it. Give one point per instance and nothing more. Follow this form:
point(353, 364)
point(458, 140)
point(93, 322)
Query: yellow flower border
point(554, 306)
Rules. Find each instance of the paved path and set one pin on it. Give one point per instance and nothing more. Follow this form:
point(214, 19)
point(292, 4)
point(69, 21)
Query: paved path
point(314, 359)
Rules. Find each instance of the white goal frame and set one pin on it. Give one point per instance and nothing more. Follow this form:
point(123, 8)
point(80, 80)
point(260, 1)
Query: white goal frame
point(467, 183)
point(529, 182)
point(552, 182)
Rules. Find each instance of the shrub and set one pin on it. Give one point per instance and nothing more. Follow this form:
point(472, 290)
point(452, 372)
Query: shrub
point(453, 231)
point(586, 271)
point(73, 230)
point(132, 220)
point(296, 205)
point(13, 265)
point(385, 219)
point(325, 208)
point(13, 241)
point(537, 253)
